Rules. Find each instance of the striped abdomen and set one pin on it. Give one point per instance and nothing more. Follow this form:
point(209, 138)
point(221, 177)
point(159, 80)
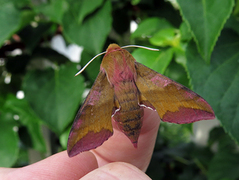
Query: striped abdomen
point(130, 114)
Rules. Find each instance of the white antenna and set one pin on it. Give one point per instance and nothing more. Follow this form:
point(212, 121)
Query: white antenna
point(143, 47)
point(152, 49)
point(89, 63)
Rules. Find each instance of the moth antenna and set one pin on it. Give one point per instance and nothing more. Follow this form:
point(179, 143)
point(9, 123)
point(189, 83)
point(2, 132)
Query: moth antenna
point(82, 69)
point(152, 49)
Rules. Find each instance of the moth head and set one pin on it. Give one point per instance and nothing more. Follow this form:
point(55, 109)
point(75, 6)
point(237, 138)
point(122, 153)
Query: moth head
point(114, 47)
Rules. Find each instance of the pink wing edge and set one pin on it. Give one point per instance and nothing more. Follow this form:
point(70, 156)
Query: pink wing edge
point(184, 115)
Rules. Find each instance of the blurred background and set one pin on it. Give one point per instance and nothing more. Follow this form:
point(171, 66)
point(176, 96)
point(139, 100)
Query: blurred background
point(43, 43)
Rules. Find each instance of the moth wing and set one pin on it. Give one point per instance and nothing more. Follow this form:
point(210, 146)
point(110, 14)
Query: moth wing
point(92, 125)
point(174, 102)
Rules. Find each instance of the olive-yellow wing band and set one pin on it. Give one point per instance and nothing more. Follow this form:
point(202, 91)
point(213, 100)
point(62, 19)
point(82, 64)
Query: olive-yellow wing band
point(174, 102)
point(92, 125)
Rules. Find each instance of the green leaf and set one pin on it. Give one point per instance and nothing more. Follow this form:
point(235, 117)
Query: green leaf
point(93, 69)
point(86, 7)
point(185, 32)
point(54, 95)
point(9, 144)
point(26, 17)
point(177, 72)
point(10, 19)
point(64, 138)
point(135, 2)
point(180, 56)
point(165, 37)
point(218, 82)
point(150, 26)
point(29, 119)
point(54, 9)
point(94, 30)
point(233, 23)
point(224, 165)
point(224, 141)
point(157, 61)
point(236, 8)
point(206, 20)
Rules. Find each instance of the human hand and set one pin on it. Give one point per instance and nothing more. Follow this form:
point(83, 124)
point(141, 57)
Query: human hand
point(115, 159)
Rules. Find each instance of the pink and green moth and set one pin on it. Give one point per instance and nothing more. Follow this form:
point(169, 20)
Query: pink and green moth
point(122, 89)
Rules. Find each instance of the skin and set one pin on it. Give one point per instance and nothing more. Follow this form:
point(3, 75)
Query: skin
point(115, 159)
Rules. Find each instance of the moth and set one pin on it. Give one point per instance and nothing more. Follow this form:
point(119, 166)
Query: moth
point(122, 89)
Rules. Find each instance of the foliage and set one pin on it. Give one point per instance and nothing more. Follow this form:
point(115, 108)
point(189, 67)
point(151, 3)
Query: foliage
point(199, 44)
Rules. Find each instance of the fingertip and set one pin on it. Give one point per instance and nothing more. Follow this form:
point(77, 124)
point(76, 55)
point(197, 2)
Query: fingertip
point(117, 171)
point(58, 166)
point(78, 165)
